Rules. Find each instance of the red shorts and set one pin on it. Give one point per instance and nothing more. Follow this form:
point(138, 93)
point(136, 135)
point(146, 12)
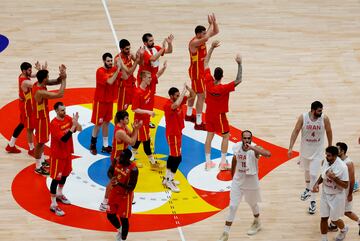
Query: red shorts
point(60, 167)
point(27, 121)
point(197, 82)
point(124, 97)
point(174, 143)
point(102, 112)
point(217, 123)
point(42, 130)
point(120, 204)
point(144, 132)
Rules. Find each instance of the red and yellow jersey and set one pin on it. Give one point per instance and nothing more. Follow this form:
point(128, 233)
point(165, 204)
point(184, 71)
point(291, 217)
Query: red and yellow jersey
point(196, 69)
point(119, 146)
point(105, 92)
point(128, 62)
point(25, 97)
point(40, 108)
point(122, 175)
point(174, 118)
point(142, 100)
point(58, 128)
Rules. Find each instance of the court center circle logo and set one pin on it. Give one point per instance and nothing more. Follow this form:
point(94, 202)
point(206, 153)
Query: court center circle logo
point(202, 195)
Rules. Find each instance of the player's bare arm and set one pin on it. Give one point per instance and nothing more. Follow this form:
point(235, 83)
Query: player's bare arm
point(328, 130)
point(169, 40)
point(238, 79)
point(147, 112)
point(351, 171)
point(177, 103)
point(259, 151)
point(338, 181)
point(315, 188)
point(160, 52)
point(214, 44)
point(162, 70)
point(112, 79)
point(295, 134)
point(233, 165)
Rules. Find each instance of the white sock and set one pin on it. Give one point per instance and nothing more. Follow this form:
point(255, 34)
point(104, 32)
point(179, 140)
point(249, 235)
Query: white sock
point(105, 201)
point(189, 111)
point(324, 237)
point(12, 141)
point(151, 159)
point(207, 157)
point(38, 163)
point(53, 201)
point(42, 158)
point(308, 185)
point(198, 119)
point(31, 146)
point(227, 229)
point(172, 175)
point(59, 191)
point(105, 141)
point(256, 219)
point(223, 157)
point(168, 174)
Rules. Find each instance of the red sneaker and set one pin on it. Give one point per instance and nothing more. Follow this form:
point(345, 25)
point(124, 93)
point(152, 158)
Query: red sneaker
point(191, 118)
point(31, 152)
point(201, 127)
point(12, 149)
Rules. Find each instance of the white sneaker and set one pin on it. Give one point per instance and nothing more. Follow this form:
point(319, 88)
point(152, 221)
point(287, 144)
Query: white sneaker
point(224, 236)
point(133, 155)
point(255, 227)
point(103, 207)
point(172, 186)
point(305, 195)
point(118, 235)
point(342, 234)
point(312, 207)
point(209, 165)
point(57, 211)
point(63, 199)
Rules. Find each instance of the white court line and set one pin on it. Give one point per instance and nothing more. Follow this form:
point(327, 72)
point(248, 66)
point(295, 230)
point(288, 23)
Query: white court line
point(117, 46)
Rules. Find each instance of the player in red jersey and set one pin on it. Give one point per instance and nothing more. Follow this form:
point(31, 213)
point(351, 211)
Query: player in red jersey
point(174, 118)
point(124, 181)
point(127, 81)
point(122, 138)
point(61, 127)
point(197, 50)
point(150, 60)
point(142, 106)
point(217, 105)
point(105, 94)
point(41, 111)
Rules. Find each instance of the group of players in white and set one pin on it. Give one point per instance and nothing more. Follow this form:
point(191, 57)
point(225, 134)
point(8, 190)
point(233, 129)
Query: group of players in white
point(337, 171)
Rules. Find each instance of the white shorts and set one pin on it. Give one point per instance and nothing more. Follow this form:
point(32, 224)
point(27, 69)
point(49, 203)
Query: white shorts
point(313, 166)
point(251, 196)
point(332, 205)
point(348, 205)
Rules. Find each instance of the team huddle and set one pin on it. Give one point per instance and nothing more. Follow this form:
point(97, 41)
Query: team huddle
point(116, 82)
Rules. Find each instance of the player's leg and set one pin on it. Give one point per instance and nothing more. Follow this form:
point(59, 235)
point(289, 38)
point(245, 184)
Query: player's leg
point(97, 119)
point(305, 164)
point(199, 125)
point(208, 164)
point(105, 132)
point(252, 197)
point(11, 148)
point(125, 228)
point(134, 149)
point(190, 104)
point(337, 210)
point(114, 220)
point(30, 139)
point(324, 214)
point(224, 165)
point(314, 168)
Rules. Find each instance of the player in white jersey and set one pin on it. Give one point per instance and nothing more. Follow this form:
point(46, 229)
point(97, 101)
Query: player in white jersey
point(244, 170)
point(335, 179)
point(349, 197)
point(313, 126)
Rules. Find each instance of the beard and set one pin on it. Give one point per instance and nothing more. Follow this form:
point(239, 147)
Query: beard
point(108, 66)
point(317, 115)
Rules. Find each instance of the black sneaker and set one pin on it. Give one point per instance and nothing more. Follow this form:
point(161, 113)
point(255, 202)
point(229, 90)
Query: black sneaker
point(107, 149)
point(93, 149)
point(312, 207)
point(152, 125)
point(332, 227)
point(41, 171)
point(45, 163)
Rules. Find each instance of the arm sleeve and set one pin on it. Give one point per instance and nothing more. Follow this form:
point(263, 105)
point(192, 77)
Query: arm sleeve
point(66, 137)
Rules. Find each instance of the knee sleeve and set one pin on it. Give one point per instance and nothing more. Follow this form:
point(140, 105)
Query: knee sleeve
point(170, 162)
point(137, 144)
point(53, 186)
point(147, 148)
point(113, 220)
point(125, 227)
point(63, 180)
point(255, 209)
point(176, 164)
point(232, 212)
point(18, 130)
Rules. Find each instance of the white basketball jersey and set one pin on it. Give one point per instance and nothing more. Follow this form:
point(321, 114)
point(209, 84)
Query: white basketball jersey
point(155, 63)
point(240, 177)
point(347, 161)
point(312, 138)
point(340, 170)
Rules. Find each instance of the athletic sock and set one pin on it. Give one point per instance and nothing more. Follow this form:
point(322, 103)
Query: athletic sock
point(59, 191)
point(53, 201)
point(105, 141)
point(207, 157)
point(198, 118)
point(38, 163)
point(12, 141)
point(223, 157)
point(31, 146)
point(105, 201)
point(227, 229)
point(189, 111)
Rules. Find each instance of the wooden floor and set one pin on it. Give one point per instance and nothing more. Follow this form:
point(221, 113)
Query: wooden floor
point(294, 52)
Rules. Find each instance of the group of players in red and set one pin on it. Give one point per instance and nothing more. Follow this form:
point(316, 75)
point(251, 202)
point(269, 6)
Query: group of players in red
point(118, 81)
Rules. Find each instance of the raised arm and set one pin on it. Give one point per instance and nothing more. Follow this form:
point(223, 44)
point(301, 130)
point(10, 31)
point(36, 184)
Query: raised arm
point(169, 40)
point(260, 151)
point(160, 52)
point(238, 79)
point(328, 130)
point(177, 103)
point(294, 134)
point(112, 79)
point(162, 70)
point(212, 30)
point(214, 45)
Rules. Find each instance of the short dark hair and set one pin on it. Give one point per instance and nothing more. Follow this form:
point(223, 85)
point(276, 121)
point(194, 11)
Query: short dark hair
point(245, 131)
point(58, 104)
point(218, 73)
point(342, 146)
point(173, 91)
point(106, 55)
point(333, 150)
point(25, 66)
point(199, 29)
point(316, 105)
point(124, 43)
point(41, 75)
point(146, 37)
point(120, 115)
point(126, 155)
